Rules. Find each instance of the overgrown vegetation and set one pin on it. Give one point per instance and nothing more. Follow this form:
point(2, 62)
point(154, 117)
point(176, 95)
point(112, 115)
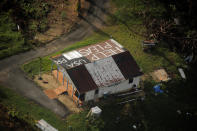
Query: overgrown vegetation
point(171, 21)
point(27, 110)
point(19, 21)
point(9, 120)
point(11, 41)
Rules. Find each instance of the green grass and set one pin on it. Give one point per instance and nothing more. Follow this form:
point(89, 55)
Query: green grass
point(12, 41)
point(161, 57)
point(28, 110)
point(151, 113)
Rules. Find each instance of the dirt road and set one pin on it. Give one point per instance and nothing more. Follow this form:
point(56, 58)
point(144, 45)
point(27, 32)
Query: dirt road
point(12, 77)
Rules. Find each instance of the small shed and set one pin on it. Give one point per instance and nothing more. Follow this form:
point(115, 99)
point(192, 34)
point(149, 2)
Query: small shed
point(96, 111)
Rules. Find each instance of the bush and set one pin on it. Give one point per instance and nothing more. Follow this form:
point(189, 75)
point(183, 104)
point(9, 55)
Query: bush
point(33, 26)
point(11, 41)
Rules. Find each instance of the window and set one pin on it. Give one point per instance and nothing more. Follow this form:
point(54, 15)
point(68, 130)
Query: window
point(82, 97)
point(96, 91)
point(130, 80)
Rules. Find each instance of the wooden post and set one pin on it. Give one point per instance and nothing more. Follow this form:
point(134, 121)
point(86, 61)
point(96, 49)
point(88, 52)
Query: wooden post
point(63, 78)
point(57, 72)
point(52, 67)
point(67, 85)
point(73, 91)
point(78, 98)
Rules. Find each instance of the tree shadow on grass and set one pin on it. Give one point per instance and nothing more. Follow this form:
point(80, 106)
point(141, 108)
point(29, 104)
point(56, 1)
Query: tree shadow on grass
point(115, 18)
point(95, 28)
point(2, 94)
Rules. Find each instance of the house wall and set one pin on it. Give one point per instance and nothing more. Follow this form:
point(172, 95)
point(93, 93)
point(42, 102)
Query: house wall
point(70, 87)
point(123, 86)
point(89, 95)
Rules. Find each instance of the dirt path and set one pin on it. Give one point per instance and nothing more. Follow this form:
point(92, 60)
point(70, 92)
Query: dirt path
point(11, 75)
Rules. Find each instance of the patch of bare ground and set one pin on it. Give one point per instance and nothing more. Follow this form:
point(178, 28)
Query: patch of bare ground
point(50, 82)
point(62, 17)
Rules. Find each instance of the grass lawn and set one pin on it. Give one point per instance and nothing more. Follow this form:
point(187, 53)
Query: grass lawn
point(27, 110)
point(161, 57)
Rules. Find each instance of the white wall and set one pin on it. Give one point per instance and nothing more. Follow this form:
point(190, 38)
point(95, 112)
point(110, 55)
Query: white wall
point(89, 95)
point(136, 81)
point(123, 86)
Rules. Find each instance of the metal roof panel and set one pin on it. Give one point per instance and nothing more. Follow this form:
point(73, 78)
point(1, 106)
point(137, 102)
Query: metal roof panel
point(105, 72)
point(127, 65)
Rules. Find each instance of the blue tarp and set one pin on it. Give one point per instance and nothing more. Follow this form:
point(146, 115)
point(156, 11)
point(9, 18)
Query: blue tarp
point(157, 89)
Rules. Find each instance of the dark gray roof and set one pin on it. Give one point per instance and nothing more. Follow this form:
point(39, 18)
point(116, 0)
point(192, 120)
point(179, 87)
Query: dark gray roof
point(82, 79)
point(127, 65)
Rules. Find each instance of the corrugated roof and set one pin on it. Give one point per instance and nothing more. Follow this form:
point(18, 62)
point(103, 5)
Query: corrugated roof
point(127, 65)
point(110, 63)
point(82, 79)
point(101, 50)
point(105, 72)
point(88, 54)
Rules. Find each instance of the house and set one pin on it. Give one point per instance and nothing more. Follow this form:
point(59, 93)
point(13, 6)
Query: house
point(92, 71)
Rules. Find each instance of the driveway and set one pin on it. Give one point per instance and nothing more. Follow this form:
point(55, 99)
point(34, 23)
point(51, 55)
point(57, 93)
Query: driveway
point(13, 77)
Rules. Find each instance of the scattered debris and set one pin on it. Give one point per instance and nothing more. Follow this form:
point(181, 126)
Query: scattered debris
point(189, 58)
point(142, 98)
point(45, 82)
point(147, 45)
point(157, 89)
point(127, 101)
point(130, 93)
point(182, 73)
point(177, 21)
point(160, 75)
point(134, 126)
point(18, 27)
point(39, 78)
point(53, 93)
point(179, 112)
point(188, 114)
point(94, 111)
point(44, 126)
